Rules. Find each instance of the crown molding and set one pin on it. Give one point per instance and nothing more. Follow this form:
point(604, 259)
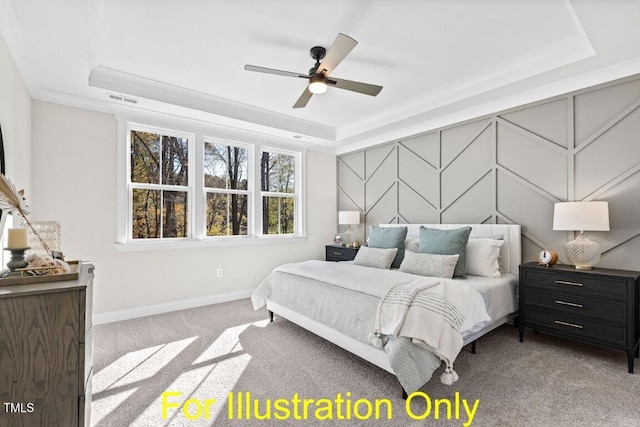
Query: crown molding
point(186, 120)
point(241, 114)
point(564, 52)
point(429, 121)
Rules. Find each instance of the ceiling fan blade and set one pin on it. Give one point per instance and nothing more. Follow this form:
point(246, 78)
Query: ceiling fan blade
point(304, 98)
point(274, 71)
point(340, 48)
point(365, 88)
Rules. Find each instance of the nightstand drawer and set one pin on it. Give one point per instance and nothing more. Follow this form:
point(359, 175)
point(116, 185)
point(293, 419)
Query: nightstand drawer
point(598, 306)
point(577, 284)
point(340, 253)
point(577, 305)
point(577, 327)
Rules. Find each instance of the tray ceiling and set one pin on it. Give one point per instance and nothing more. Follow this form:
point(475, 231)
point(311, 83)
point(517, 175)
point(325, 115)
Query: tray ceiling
point(438, 61)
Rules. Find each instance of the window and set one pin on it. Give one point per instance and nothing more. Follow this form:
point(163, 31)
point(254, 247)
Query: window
point(184, 187)
point(226, 183)
point(278, 185)
point(159, 185)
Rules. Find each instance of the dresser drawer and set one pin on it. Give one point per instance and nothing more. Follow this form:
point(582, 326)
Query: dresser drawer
point(577, 284)
point(577, 305)
point(577, 327)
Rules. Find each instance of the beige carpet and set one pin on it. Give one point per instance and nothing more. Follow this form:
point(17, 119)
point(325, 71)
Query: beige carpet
point(205, 353)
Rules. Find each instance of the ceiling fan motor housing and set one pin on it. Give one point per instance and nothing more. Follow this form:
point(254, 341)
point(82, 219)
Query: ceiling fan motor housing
point(318, 53)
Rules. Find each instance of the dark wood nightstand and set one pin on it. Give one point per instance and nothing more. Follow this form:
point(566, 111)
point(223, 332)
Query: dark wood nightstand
point(340, 253)
point(598, 306)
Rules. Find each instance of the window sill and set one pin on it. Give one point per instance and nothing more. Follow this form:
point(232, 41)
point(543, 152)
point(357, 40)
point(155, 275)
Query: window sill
point(222, 242)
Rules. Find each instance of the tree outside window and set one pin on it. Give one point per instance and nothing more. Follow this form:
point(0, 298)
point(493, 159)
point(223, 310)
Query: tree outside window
point(278, 186)
point(226, 187)
point(242, 190)
point(159, 184)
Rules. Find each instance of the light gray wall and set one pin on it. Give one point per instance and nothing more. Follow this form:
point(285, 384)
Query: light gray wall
point(15, 119)
point(511, 167)
point(74, 176)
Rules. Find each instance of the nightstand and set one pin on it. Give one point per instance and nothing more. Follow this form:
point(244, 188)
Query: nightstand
point(598, 306)
point(340, 253)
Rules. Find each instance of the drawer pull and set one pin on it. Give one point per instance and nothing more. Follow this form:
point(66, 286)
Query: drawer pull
point(572, 304)
point(573, 325)
point(562, 282)
point(337, 253)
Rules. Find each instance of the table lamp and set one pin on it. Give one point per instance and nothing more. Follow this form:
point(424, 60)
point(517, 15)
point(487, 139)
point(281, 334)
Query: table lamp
point(582, 216)
point(349, 218)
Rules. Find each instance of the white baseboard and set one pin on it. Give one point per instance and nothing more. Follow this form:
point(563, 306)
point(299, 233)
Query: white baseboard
point(148, 310)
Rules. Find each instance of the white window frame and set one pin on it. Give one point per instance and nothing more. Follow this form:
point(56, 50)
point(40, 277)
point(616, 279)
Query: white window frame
point(197, 134)
point(189, 188)
point(296, 195)
point(251, 179)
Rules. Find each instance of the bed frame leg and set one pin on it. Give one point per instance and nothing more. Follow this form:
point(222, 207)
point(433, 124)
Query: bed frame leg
point(404, 394)
point(270, 316)
point(473, 347)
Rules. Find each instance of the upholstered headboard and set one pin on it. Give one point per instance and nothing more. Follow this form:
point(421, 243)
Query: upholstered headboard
point(511, 251)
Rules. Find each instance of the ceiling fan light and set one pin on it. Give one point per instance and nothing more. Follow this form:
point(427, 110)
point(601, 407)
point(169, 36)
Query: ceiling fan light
point(317, 85)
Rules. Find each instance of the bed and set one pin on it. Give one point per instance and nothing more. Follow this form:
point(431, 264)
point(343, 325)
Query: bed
point(335, 301)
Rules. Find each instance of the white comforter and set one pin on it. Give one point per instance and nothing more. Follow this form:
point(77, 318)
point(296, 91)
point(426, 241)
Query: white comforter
point(375, 282)
point(443, 305)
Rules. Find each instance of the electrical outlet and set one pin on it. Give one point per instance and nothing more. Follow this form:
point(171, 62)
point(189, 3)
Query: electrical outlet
point(219, 272)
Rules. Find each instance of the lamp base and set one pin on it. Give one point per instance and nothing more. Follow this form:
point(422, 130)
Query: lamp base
point(348, 237)
point(583, 253)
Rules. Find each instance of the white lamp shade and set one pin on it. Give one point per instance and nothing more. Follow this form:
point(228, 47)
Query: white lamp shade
point(348, 217)
point(581, 216)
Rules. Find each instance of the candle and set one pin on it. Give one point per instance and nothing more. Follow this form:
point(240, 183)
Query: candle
point(17, 238)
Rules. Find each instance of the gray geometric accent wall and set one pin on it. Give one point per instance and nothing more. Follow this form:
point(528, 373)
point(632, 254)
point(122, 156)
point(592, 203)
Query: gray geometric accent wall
point(511, 167)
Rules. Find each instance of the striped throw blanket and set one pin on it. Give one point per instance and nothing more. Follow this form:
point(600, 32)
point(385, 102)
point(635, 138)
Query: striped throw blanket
point(430, 313)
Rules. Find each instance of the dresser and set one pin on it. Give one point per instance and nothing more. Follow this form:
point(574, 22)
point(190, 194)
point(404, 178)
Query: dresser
point(46, 352)
point(340, 253)
point(598, 306)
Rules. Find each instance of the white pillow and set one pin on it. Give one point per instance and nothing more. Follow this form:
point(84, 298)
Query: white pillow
point(375, 257)
point(434, 265)
point(412, 244)
point(482, 257)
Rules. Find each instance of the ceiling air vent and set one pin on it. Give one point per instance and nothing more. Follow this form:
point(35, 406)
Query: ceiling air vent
point(122, 98)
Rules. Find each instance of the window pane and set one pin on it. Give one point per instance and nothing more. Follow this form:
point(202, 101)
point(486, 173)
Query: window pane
point(146, 214)
point(226, 214)
point(277, 172)
point(225, 166)
point(145, 157)
point(149, 218)
point(278, 215)
point(175, 160)
point(174, 213)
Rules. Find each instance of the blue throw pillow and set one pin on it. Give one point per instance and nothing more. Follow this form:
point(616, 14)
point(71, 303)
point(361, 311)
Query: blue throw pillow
point(446, 242)
point(389, 237)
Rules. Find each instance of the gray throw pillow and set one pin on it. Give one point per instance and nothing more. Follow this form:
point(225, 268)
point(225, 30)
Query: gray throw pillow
point(429, 264)
point(375, 257)
point(446, 242)
point(389, 237)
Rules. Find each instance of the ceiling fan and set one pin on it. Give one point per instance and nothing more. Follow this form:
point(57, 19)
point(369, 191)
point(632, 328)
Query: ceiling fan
point(319, 74)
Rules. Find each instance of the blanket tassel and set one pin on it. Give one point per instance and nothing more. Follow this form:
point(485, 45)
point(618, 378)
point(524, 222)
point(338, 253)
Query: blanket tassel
point(375, 338)
point(449, 376)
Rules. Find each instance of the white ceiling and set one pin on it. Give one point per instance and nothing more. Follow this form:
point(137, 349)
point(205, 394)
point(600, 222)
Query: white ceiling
point(440, 61)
